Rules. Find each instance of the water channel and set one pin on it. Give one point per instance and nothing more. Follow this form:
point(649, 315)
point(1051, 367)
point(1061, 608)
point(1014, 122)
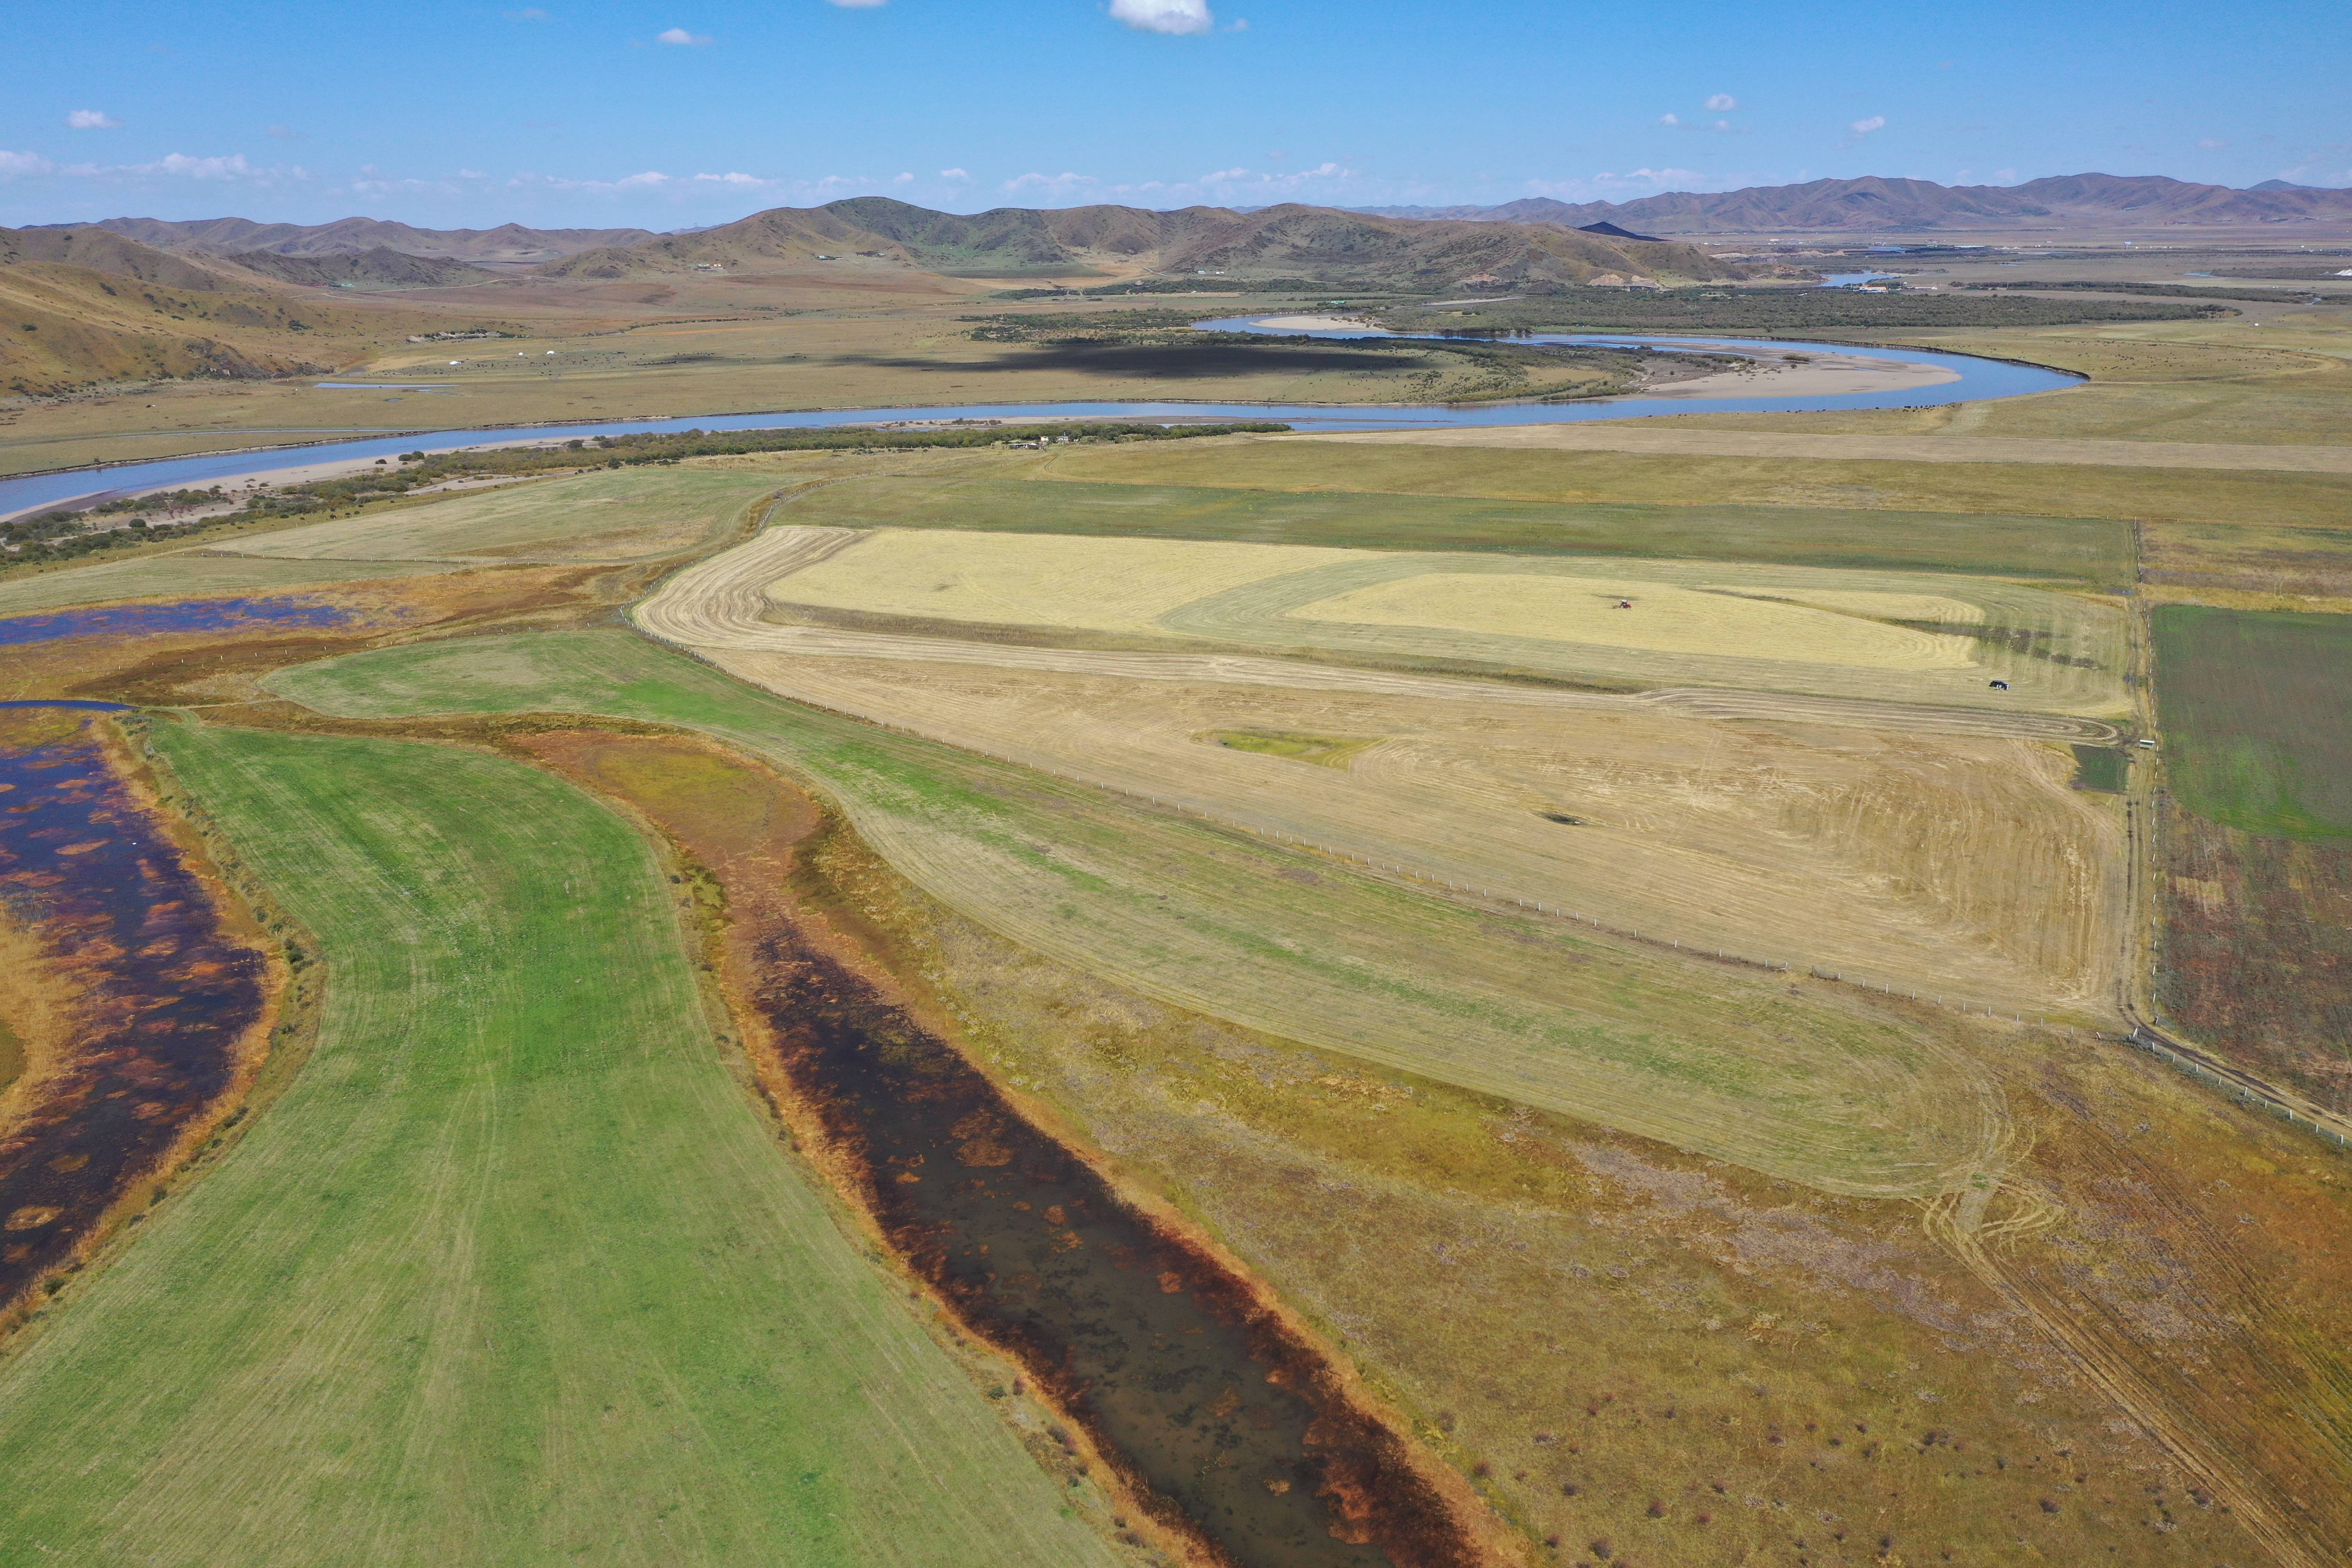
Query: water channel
point(1973, 379)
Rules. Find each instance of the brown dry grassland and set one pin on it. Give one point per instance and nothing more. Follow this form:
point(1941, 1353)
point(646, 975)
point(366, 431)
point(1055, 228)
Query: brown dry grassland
point(1617, 1343)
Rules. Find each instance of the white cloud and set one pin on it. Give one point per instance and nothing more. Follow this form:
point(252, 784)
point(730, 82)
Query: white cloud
point(955, 174)
point(682, 37)
point(472, 174)
point(902, 179)
point(1632, 181)
point(2213, 142)
point(1864, 127)
point(232, 168)
point(1059, 184)
point(91, 120)
point(1722, 102)
point(732, 177)
point(1174, 16)
point(857, 5)
point(1670, 120)
point(1723, 125)
point(1224, 176)
point(528, 13)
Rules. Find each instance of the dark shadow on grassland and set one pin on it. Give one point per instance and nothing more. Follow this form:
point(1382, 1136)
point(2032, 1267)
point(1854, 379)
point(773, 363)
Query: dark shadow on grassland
point(1188, 362)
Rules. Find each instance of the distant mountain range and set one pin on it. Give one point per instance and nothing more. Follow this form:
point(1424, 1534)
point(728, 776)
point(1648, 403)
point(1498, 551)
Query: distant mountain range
point(508, 243)
point(1877, 205)
point(1323, 243)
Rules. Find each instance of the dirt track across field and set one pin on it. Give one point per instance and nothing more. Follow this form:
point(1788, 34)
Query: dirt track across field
point(1614, 438)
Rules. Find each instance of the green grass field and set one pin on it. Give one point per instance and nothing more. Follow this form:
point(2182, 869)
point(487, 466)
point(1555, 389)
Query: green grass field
point(513, 1272)
point(2091, 550)
point(2018, 491)
point(1724, 1061)
point(2257, 718)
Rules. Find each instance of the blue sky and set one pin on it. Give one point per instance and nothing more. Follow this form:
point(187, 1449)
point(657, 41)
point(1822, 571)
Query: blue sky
point(678, 113)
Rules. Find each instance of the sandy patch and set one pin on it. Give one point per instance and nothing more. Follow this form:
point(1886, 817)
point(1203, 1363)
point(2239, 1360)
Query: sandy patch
point(1317, 323)
point(1662, 619)
point(1779, 374)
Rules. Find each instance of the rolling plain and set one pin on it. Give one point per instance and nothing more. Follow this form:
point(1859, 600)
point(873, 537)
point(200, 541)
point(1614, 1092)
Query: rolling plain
point(1564, 1015)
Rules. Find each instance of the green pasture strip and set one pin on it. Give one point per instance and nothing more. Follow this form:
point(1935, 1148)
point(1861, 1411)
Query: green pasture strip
point(514, 1272)
point(513, 518)
point(2256, 707)
point(1729, 1063)
point(2093, 551)
point(2026, 492)
point(183, 577)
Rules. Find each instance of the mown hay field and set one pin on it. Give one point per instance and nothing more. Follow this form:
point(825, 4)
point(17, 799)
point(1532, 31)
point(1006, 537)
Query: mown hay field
point(2255, 709)
point(1814, 1085)
point(2093, 551)
point(1940, 864)
point(632, 514)
point(1902, 637)
point(513, 1271)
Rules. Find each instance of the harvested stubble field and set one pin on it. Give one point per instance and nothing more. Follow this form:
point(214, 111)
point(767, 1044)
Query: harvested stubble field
point(1941, 864)
point(1905, 637)
point(513, 1270)
point(1820, 1086)
point(2091, 552)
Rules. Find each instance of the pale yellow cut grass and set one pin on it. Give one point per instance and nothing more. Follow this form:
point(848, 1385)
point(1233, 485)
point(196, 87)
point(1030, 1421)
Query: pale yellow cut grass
point(1036, 579)
point(1958, 865)
point(1660, 619)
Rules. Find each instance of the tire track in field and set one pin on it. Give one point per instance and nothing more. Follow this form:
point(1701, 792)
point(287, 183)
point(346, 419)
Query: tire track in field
point(722, 602)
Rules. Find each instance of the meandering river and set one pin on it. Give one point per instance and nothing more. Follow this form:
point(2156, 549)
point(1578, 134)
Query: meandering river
point(1971, 379)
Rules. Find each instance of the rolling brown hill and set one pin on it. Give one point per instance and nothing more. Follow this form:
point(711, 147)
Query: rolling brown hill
point(1876, 204)
point(82, 306)
point(382, 267)
point(1324, 244)
point(508, 243)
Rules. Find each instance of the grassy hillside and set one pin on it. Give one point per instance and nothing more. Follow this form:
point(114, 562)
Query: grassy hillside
point(79, 306)
point(514, 1272)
